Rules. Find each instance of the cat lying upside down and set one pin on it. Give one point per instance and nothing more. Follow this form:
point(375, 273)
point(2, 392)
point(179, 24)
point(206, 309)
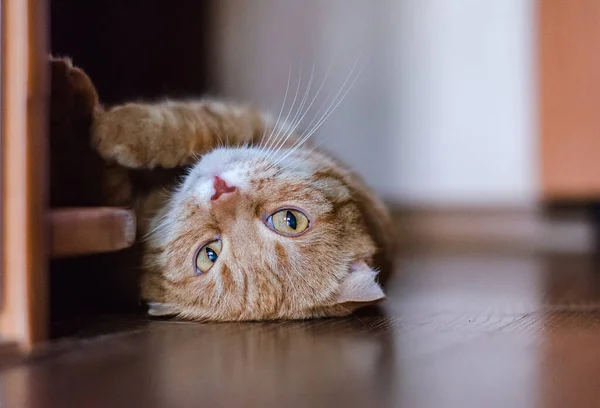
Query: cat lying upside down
point(261, 227)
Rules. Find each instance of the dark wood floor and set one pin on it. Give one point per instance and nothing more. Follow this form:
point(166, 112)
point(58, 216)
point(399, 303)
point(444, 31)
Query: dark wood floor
point(459, 330)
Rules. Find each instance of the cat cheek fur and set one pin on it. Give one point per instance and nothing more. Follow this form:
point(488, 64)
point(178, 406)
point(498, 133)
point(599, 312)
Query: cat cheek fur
point(259, 274)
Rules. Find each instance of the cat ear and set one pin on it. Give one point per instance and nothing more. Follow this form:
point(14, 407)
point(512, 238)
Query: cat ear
point(161, 309)
point(360, 286)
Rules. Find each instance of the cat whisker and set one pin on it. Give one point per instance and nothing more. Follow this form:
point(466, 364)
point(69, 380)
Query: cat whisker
point(195, 158)
point(291, 132)
point(308, 152)
point(161, 223)
point(266, 125)
point(319, 113)
point(332, 107)
point(223, 132)
point(154, 231)
point(217, 131)
point(305, 153)
point(287, 88)
point(297, 117)
point(166, 191)
point(326, 102)
point(318, 91)
point(335, 104)
point(223, 140)
point(285, 124)
point(295, 125)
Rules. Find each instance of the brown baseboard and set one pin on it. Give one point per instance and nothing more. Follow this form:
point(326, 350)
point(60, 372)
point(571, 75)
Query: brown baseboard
point(514, 229)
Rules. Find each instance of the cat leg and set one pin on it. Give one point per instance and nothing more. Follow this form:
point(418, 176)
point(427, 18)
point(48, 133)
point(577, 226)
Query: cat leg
point(173, 134)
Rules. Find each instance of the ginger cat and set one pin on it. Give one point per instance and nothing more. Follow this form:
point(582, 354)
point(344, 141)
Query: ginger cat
point(260, 227)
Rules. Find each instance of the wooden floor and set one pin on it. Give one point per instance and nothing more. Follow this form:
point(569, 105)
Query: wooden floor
point(459, 330)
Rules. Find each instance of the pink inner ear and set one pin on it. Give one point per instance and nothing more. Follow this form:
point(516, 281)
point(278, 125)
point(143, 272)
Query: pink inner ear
point(357, 266)
point(360, 286)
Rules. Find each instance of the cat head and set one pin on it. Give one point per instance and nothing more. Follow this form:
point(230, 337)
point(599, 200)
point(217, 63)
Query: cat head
point(253, 235)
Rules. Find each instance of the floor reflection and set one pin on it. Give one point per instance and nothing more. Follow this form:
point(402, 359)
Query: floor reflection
point(333, 362)
point(458, 330)
point(455, 346)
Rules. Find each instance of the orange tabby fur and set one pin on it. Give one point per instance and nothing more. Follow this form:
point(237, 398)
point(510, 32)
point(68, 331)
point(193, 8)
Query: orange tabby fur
point(260, 275)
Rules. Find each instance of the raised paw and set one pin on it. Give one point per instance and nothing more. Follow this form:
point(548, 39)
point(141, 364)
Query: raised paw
point(132, 136)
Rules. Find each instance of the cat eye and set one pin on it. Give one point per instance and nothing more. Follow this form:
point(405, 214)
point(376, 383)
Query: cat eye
point(207, 255)
point(288, 221)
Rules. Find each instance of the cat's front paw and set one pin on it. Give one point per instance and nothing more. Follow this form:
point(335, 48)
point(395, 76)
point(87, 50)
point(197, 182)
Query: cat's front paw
point(124, 135)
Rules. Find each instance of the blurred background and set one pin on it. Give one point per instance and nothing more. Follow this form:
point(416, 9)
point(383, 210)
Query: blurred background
point(475, 118)
point(444, 112)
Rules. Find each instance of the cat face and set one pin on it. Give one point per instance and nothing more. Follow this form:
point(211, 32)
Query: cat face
point(252, 235)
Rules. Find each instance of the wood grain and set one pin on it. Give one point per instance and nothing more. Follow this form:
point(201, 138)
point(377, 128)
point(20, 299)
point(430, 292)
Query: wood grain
point(82, 231)
point(23, 316)
point(569, 69)
point(459, 329)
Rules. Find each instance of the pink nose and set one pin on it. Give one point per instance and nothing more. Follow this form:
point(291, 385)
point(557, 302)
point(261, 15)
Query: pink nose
point(221, 188)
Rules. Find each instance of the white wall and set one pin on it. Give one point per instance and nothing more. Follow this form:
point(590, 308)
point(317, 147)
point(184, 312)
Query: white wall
point(444, 111)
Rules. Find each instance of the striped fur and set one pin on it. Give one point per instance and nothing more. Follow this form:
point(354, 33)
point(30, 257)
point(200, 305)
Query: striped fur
point(259, 275)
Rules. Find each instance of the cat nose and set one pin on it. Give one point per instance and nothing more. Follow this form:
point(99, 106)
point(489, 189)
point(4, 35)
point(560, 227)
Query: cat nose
point(221, 188)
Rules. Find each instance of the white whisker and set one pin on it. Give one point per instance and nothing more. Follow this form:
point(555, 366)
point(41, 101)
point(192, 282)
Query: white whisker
point(161, 224)
point(308, 152)
point(321, 112)
point(287, 88)
point(285, 124)
point(313, 100)
point(326, 102)
point(298, 116)
point(334, 104)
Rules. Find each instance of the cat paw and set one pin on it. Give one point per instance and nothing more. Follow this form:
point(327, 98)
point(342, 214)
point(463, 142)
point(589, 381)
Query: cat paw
point(136, 136)
point(121, 135)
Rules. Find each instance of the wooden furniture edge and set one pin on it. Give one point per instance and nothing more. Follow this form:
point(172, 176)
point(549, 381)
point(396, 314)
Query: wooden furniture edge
point(23, 309)
point(83, 231)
